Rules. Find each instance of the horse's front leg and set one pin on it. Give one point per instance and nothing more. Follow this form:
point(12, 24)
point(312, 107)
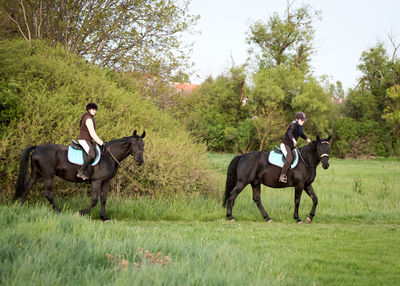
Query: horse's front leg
point(103, 198)
point(310, 191)
point(257, 200)
point(297, 197)
point(96, 186)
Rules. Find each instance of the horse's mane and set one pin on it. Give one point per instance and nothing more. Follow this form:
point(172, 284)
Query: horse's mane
point(310, 146)
point(127, 138)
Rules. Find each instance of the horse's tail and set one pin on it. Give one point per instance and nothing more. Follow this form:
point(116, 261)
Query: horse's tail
point(231, 178)
point(23, 167)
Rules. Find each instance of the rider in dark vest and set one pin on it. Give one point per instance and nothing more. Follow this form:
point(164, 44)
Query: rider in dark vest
point(87, 135)
point(289, 142)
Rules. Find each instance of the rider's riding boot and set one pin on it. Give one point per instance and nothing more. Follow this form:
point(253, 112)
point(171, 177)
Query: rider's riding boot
point(283, 177)
point(82, 171)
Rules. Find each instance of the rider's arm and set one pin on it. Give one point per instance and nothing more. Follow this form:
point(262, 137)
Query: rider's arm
point(290, 133)
point(92, 132)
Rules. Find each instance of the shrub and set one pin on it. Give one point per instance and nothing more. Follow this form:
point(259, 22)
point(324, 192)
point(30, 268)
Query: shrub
point(54, 88)
point(354, 138)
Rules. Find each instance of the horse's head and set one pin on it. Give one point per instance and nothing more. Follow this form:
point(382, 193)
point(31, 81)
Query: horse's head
point(323, 151)
point(137, 147)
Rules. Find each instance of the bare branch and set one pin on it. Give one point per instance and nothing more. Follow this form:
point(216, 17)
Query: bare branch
point(395, 46)
point(19, 27)
point(25, 19)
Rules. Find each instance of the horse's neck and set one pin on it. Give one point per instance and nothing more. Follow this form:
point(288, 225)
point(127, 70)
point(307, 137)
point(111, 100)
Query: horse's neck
point(309, 155)
point(120, 148)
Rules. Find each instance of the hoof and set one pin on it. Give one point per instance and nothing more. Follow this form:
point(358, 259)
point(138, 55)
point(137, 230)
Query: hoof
point(82, 212)
point(105, 219)
point(269, 220)
point(300, 222)
point(308, 220)
point(232, 220)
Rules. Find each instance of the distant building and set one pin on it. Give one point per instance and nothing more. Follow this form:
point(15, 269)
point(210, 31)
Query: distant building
point(185, 88)
point(337, 100)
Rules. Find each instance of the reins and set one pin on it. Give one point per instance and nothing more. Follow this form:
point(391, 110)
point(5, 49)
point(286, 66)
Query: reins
point(301, 156)
point(116, 160)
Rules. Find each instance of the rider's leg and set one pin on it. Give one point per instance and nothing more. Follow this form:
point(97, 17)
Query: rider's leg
point(289, 158)
point(87, 146)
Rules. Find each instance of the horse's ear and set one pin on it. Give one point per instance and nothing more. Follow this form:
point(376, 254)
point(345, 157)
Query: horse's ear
point(134, 133)
point(143, 134)
point(318, 139)
point(329, 138)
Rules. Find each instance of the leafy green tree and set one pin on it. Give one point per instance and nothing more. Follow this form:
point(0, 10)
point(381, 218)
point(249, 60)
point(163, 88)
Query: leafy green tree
point(215, 112)
point(283, 83)
point(284, 40)
point(139, 35)
point(392, 110)
point(280, 92)
point(372, 108)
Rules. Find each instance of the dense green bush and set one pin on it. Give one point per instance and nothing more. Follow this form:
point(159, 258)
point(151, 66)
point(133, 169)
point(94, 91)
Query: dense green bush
point(45, 90)
point(353, 138)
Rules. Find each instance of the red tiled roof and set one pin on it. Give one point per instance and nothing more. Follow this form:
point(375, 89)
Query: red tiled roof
point(186, 88)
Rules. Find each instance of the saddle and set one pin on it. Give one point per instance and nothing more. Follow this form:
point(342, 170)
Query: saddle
point(277, 158)
point(77, 155)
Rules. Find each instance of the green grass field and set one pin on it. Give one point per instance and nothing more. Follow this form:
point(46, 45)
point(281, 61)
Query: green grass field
point(354, 239)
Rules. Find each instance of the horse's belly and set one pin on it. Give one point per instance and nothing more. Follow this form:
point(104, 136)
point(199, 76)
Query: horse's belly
point(67, 174)
point(270, 178)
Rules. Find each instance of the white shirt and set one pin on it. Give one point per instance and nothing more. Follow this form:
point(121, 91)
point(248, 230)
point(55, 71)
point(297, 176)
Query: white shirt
point(92, 132)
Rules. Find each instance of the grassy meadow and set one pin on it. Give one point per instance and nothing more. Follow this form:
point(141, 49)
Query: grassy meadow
point(353, 239)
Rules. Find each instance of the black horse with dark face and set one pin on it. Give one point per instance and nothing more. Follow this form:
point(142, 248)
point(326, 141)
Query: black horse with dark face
point(49, 160)
point(255, 169)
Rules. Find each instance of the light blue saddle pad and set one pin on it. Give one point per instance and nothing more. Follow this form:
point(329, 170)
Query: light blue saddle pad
point(277, 159)
point(76, 156)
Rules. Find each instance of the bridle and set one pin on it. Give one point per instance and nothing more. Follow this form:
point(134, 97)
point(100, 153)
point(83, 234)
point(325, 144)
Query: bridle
point(116, 160)
point(325, 154)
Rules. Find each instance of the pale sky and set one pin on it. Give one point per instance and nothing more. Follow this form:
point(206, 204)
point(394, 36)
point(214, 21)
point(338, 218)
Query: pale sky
point(347, 28)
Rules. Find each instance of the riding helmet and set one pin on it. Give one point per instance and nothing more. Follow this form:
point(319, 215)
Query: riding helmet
point(91, 106)
point(300, 115)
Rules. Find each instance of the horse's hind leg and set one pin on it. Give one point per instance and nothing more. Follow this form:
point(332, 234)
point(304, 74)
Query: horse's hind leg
point(48, 187)
point(96, 185)
point(310, 191)
point(32, 181)
point(235, 192)
point(257, 200)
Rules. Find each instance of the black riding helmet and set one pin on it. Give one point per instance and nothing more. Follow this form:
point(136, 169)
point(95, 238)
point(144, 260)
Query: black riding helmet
point(300, 115)
point(91, 106)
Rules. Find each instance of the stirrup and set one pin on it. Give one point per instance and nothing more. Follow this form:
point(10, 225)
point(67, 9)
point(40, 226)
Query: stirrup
point(83, 176)
point(283, 179)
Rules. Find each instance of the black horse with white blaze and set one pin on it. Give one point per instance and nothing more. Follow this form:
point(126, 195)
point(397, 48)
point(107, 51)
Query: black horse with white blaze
point(49, 160)
point(255, 169)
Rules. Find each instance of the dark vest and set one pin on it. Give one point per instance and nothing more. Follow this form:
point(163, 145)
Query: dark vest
point(84, 132)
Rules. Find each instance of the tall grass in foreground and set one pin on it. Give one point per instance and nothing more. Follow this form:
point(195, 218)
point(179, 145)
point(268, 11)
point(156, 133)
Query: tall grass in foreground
point(353, 240)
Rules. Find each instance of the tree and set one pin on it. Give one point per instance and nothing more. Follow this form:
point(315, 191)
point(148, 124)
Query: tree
point(139, 35)
point(282, 91)
point(392, 110)
point(216, 113)
point(286, 40)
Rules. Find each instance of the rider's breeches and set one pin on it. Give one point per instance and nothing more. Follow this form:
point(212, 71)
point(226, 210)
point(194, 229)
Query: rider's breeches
point(289, 158)
point(88, 147)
